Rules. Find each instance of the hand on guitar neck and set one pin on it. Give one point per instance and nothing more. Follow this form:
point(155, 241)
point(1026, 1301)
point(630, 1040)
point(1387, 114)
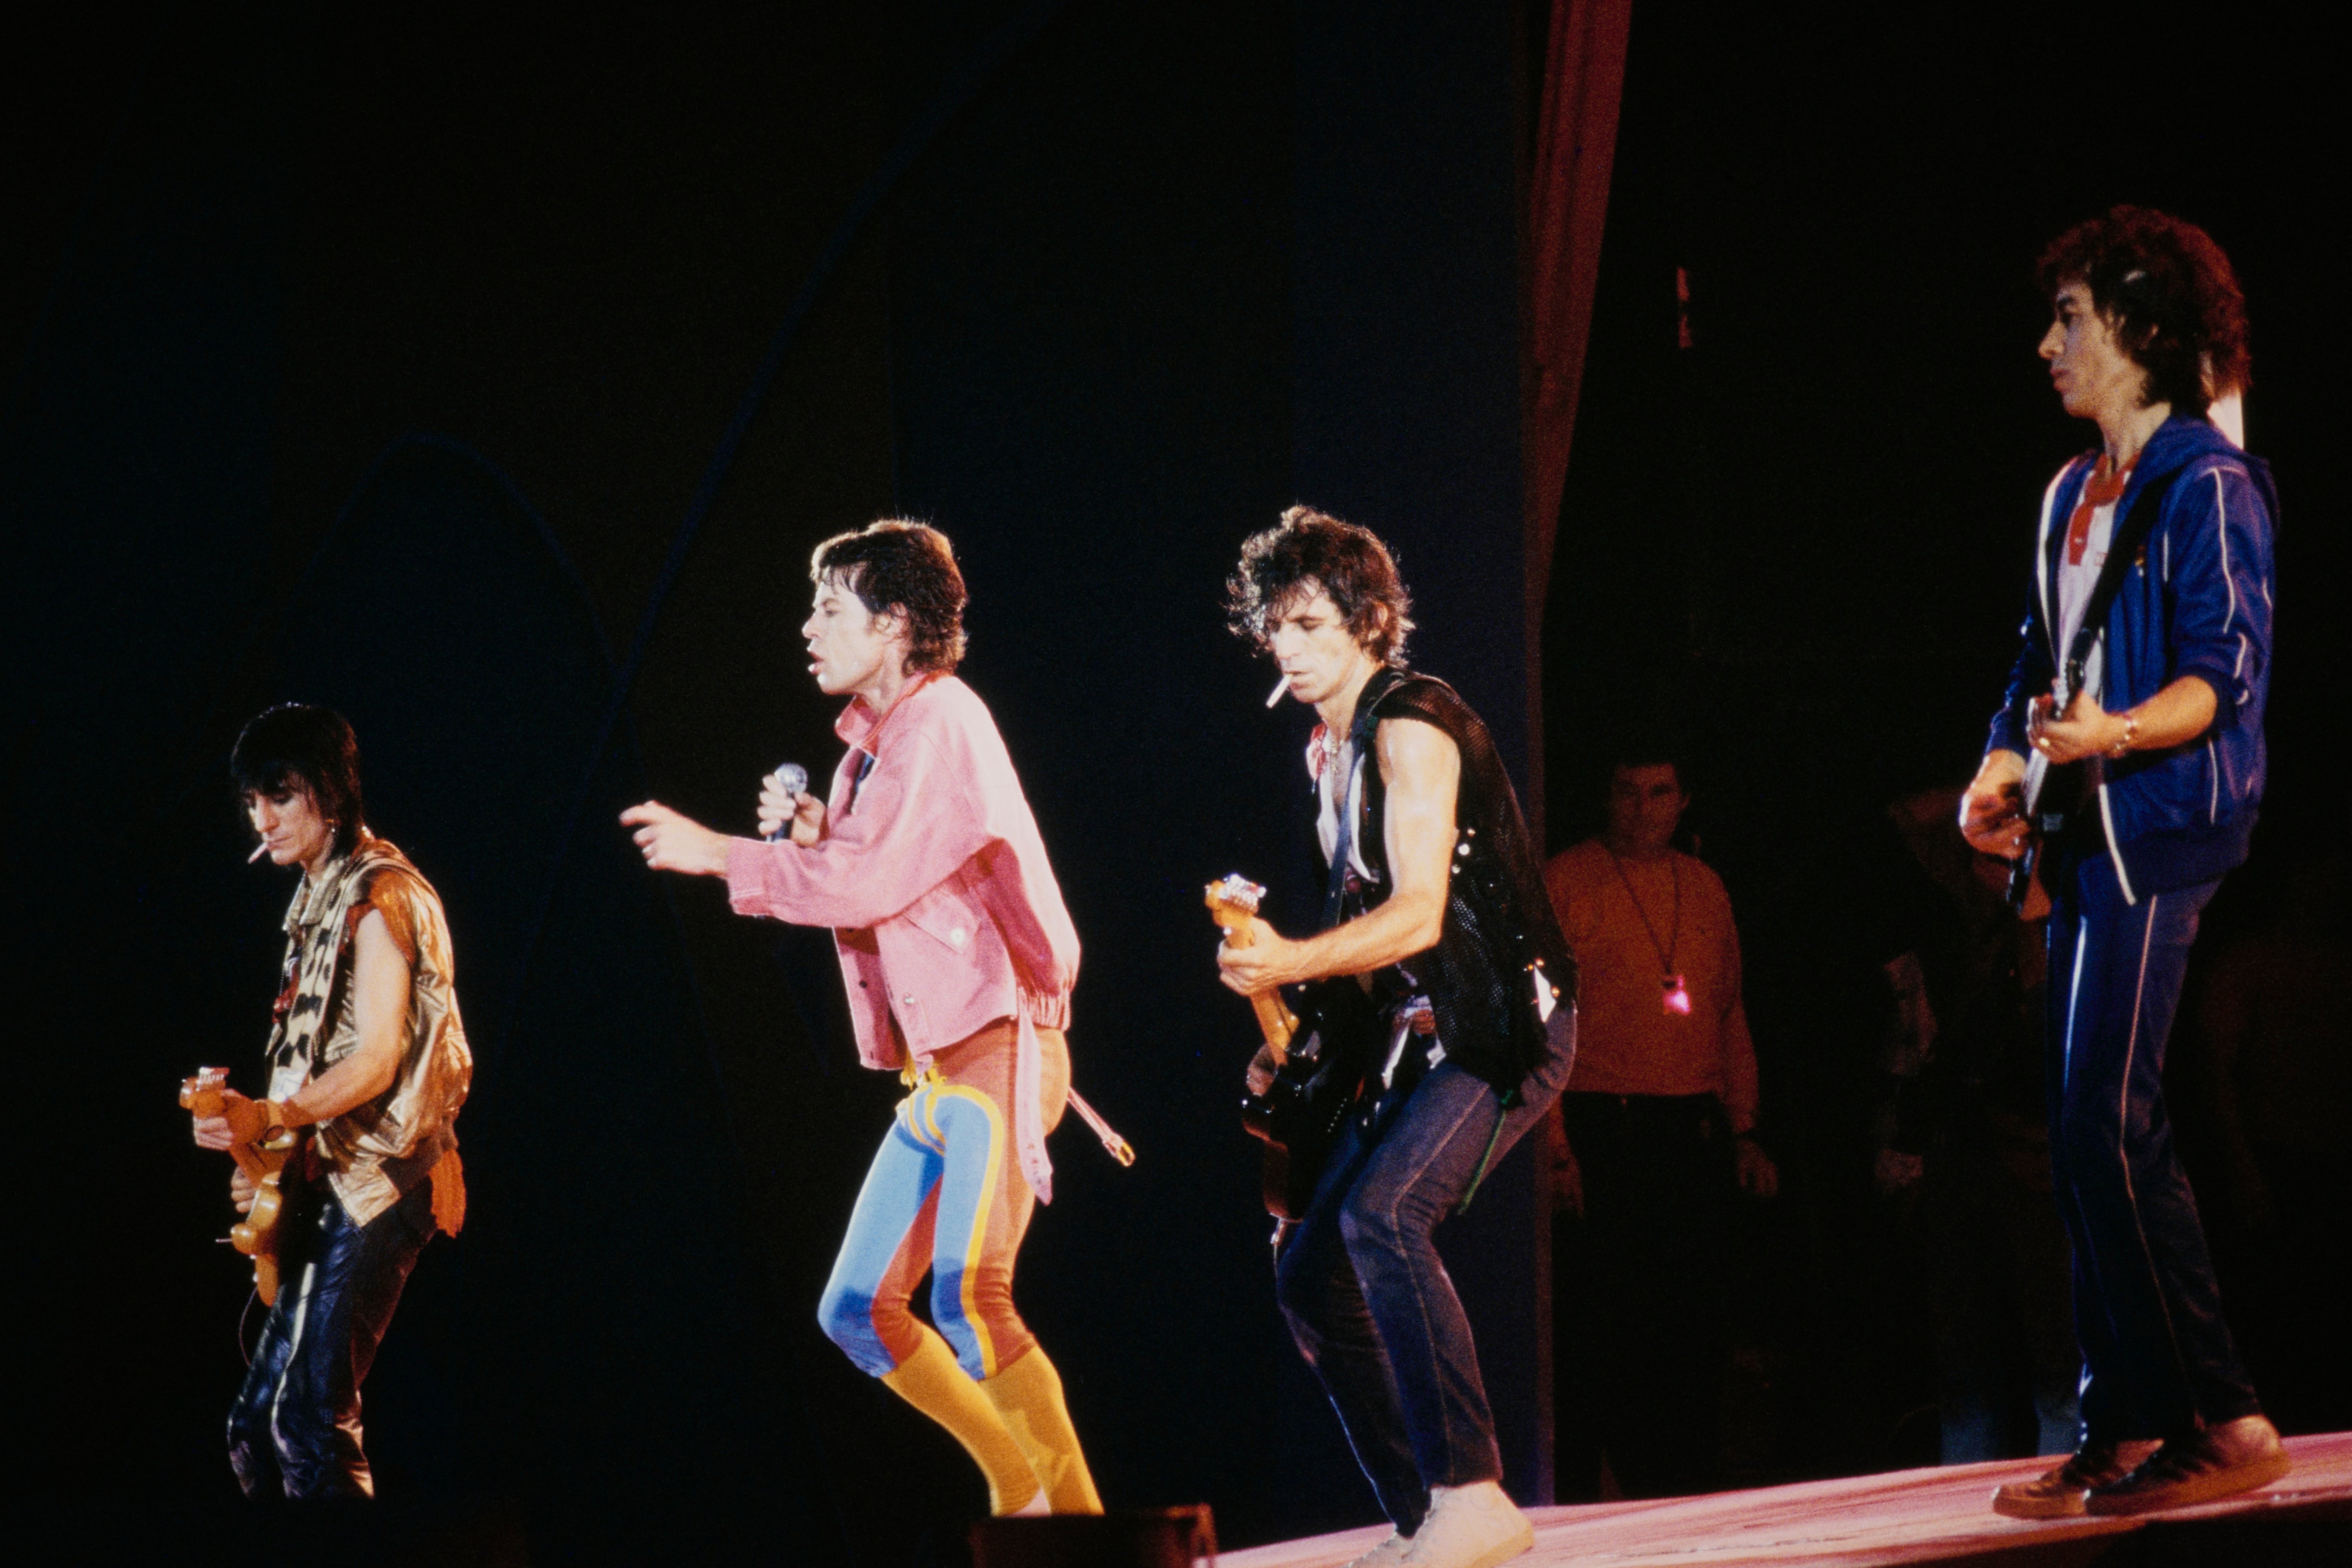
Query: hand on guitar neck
point(225, 1120)
point(2073, 732)
point(240, 1127)
point(1242, 964)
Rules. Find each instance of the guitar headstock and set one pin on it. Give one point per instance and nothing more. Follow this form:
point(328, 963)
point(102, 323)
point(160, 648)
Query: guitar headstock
point(1233, 901)
point(200, 1095)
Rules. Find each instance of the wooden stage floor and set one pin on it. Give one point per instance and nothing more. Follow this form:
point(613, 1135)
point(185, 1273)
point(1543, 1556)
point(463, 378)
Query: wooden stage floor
point(1941, 1515)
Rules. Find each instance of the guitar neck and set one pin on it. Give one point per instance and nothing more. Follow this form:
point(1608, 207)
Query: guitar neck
point(201, 1097)
point(2037, 766)
point(1234, 902)
point(1275, 1020)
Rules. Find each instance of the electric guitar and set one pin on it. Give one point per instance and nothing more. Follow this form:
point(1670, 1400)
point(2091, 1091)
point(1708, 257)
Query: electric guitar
point(1316, 1080)
point(260, 1232)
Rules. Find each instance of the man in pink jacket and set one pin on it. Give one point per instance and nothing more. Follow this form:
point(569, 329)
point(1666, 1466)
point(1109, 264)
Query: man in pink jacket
point(959, 958)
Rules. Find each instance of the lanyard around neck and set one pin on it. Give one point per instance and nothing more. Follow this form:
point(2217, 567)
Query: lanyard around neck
point(1665, 950)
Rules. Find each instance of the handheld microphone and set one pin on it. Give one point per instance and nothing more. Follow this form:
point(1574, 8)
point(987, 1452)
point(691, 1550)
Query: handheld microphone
point(794, 778)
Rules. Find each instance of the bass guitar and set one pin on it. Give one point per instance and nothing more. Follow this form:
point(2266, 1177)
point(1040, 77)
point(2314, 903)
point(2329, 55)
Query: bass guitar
point(259, 1233)
point(1316, 1079)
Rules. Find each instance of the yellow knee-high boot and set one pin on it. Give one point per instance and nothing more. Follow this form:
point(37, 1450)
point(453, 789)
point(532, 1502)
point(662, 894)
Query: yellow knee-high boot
point(1028, 1394)
point(931, 1382)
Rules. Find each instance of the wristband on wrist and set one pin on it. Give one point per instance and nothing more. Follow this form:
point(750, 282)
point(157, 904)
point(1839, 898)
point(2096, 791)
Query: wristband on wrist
point(2131, 733)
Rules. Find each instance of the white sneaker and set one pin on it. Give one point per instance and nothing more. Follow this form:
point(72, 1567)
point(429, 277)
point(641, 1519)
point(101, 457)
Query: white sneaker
point(1387, 1554)
point(1469, 1527)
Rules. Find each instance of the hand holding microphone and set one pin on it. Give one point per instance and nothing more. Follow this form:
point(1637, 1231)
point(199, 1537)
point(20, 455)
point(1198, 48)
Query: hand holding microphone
point(787, 807)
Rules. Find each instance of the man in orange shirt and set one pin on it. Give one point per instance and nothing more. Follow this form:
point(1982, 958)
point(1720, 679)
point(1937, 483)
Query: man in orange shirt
point(1657, 1125)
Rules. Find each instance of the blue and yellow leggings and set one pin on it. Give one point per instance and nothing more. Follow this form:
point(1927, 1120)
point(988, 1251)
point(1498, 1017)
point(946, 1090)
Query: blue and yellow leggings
point(944, 1195)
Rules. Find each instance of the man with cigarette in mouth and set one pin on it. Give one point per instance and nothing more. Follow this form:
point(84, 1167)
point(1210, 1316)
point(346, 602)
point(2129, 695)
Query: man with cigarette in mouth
point(1436, 907)
point(960, 958)
point(368, 1063)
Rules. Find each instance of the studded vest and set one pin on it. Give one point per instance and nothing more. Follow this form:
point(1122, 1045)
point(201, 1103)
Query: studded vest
point(1500, 938)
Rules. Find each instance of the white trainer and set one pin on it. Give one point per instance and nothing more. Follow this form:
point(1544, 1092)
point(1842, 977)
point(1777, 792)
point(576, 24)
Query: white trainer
point(1469, 1527)
point(1387, 1554)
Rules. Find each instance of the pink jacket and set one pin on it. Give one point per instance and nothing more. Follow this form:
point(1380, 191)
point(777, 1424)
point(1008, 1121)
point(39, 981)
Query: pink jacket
point(932, 872)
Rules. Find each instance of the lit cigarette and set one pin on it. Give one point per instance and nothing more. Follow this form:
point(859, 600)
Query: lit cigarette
point(263, 847)
point(1280, 687)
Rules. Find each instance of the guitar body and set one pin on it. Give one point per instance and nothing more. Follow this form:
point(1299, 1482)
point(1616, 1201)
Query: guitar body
point(1299, 1116)
point(259, 1234)
point(1317, 1081)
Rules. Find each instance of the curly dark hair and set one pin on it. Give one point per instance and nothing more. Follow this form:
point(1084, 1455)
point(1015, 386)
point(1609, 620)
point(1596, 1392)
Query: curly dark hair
point(2170, 295)
point(906, 569)
point(1310, 550)
point(295, 746)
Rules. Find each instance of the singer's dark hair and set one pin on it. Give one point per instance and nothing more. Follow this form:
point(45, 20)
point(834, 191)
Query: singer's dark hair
point(295, 746)
point(907, 569)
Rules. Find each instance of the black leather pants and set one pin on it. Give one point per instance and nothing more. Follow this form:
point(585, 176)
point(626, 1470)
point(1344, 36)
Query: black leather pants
point(294, 1430)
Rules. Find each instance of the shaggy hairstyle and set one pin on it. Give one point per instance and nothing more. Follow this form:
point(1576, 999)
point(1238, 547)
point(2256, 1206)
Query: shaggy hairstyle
point(2170, 295)
point(1307, 550)
point(906, 569)
point(295, 747)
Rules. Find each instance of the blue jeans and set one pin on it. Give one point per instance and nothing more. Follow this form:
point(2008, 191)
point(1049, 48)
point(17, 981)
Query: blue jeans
point(1368, 1299)
point(2158, 1359)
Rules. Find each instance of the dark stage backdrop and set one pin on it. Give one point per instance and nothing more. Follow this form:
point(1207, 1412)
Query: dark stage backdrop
point(380, 360)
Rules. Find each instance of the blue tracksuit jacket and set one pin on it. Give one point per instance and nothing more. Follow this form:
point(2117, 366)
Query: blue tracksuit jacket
point(2196, 602)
